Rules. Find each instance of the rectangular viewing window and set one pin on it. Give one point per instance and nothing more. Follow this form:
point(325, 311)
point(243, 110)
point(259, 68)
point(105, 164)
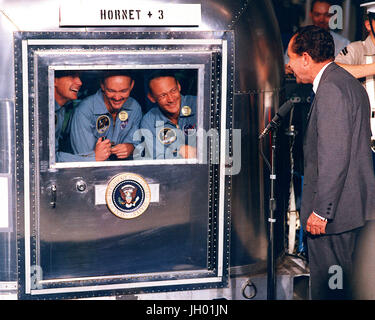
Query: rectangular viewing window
point(110, 115)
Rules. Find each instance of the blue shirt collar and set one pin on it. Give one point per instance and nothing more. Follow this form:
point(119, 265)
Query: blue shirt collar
point(57, 106)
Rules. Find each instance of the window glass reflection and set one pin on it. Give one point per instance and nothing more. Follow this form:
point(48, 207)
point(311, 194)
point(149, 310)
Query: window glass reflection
point(110, 115)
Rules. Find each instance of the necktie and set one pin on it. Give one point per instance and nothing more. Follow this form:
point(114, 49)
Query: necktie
point(311, 97)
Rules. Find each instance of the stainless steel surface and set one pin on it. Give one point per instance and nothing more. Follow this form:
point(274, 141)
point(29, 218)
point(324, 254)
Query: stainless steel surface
point(257, 78)
point(182, 238)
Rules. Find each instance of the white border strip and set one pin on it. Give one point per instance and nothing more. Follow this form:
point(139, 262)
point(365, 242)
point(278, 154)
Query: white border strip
point(141, 162)
point(99, 42)
point(126, 285)
point(128, 163)
point(128, 66)
point(129, 276)
point(26, 163)
point(93, 52)
point(224, 73)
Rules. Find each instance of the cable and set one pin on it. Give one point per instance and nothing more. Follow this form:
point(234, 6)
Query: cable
point(263, 155)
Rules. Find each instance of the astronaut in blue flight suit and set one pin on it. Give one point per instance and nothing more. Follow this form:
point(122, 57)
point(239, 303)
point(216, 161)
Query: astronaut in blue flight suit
point(170, 128)
point(67, 84)
point(104, 123)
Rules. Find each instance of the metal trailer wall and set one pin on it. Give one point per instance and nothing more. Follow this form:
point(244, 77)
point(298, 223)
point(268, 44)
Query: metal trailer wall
point(258, 73)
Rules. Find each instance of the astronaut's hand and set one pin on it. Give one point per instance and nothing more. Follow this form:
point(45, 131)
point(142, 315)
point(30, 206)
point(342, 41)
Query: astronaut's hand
point(102, 149)
point(122, 150)
point(188, 152)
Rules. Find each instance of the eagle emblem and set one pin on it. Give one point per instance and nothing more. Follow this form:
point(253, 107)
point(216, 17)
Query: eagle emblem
point(129, 196)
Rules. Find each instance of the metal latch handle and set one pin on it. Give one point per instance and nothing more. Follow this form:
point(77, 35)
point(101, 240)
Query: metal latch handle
point(53, 196)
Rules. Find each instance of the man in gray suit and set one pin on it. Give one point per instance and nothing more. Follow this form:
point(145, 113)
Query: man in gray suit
point(339, 183)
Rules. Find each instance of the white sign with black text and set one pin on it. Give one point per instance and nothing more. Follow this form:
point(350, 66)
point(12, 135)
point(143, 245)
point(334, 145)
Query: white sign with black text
point(125, 13)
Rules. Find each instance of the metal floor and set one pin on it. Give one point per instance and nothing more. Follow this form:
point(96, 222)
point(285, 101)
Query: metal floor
point(292, 283)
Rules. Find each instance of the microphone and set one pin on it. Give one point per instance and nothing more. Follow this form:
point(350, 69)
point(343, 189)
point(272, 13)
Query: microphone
point(276, 120)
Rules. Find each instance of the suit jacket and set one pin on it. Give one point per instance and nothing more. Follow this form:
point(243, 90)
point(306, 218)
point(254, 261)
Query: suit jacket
point(339, 181)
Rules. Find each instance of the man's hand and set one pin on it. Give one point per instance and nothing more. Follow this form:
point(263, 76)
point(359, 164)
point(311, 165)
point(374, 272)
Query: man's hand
point(315, 225)
point(188, 152)
point(122, 150)
point(102, 149)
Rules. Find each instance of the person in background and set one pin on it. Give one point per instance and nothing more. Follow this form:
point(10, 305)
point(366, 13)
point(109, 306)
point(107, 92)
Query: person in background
point(357, 58)
point(320, 16)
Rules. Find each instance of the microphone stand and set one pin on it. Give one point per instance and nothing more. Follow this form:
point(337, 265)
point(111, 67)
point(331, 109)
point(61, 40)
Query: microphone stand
point(271, 265)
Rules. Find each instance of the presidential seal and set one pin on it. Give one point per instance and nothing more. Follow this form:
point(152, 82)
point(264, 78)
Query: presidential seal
point(128, 195)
